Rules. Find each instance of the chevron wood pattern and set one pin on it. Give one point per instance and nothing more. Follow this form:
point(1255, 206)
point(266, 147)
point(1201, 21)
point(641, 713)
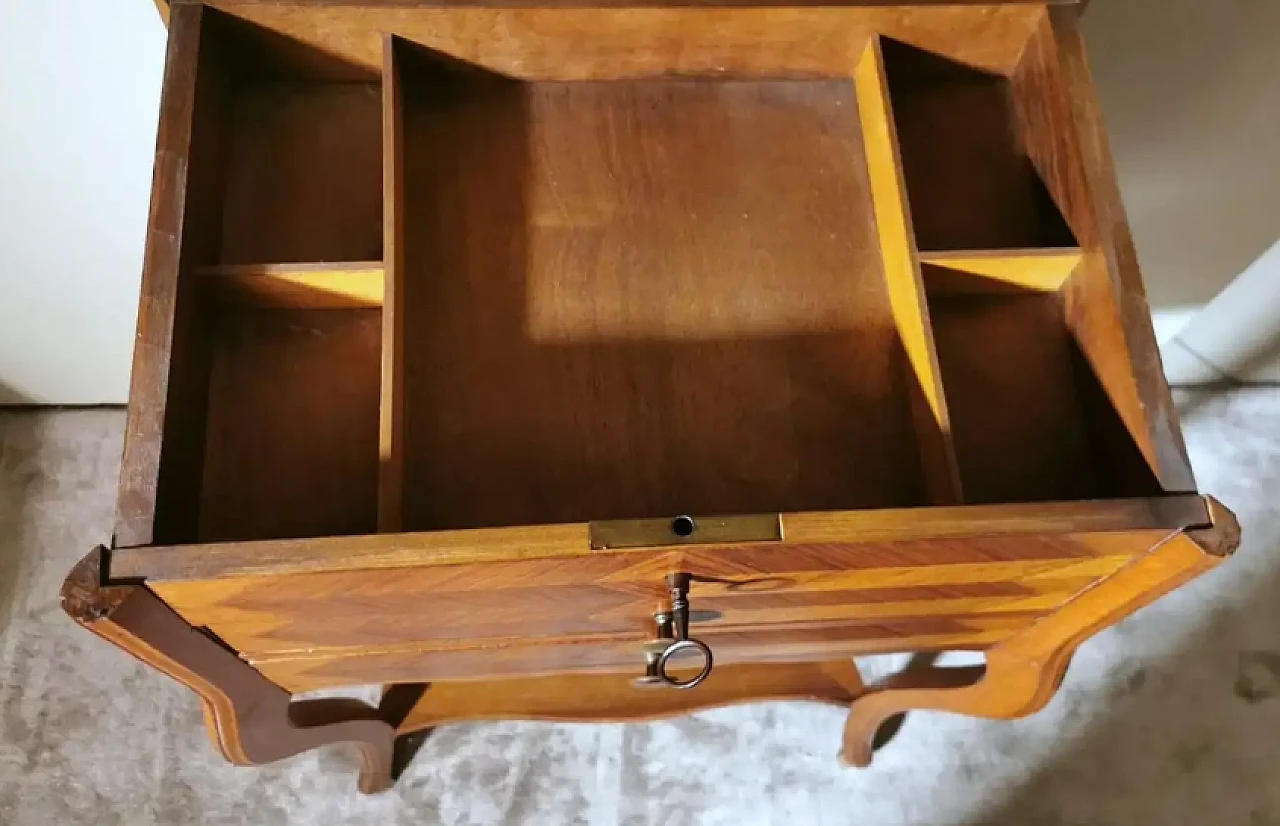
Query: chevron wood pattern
point(769, 600)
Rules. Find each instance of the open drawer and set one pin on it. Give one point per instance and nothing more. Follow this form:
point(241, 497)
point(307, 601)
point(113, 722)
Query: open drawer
point(450, 313)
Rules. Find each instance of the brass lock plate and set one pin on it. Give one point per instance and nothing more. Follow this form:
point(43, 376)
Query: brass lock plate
point(685, 530)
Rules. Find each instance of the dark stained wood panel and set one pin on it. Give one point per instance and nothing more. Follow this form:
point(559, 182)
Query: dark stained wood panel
point(292, 438)
point(970, 181)
point(669, 296)
point(1021, 432)
point(304, 174)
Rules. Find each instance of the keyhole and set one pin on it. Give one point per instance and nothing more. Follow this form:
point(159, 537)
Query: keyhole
point(683, 526)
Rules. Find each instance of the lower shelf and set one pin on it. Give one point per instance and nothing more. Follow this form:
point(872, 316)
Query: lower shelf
point(612, 697)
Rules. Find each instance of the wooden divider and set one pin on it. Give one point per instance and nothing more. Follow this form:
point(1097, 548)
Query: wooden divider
point(391, 422)
point(903, 277)
point(992, 271)
point(322, 286)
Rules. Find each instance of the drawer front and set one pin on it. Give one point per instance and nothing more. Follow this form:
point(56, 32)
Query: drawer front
point(814, 642)
point(591, 612)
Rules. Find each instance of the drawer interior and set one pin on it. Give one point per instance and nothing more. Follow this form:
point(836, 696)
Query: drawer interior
point(630, 298)
point(434, 281)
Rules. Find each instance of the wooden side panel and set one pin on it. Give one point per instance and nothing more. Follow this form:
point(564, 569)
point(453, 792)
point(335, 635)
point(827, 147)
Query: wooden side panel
point(604, 43)
point(182, 229)
point(1106, 304)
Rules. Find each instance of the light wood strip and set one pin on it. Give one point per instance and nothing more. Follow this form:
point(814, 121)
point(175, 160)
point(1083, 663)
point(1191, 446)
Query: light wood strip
point(392, 405)
point(903, 279)
point(293, 556)
point(991, 271)
point(613, 697)
point(320, 286)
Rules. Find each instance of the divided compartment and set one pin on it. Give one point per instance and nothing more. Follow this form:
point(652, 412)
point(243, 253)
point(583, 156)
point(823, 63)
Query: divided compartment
point(1028, 418)
point(281, 283)
point(427, 295)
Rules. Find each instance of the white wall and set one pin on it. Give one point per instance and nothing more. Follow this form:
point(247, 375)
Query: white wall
point(79, 98)
point(1190, 91)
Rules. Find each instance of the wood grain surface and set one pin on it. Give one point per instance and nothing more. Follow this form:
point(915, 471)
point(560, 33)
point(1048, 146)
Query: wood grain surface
point(702, 327)
point(1020, 426)
point(303, 173)
point(292, 437)
point(899, 258)
point(770, 601)
point(976, 189)
point(619, 43)
point(391, 405)
point(412, 550)
point(166, 412)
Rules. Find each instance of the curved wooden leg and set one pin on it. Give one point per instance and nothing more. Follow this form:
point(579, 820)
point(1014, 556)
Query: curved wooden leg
point(1023, 673)
point(1002, 688)
point(250, 719)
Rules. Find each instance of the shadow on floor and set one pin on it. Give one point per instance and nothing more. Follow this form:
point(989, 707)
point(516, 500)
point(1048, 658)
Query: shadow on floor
point(56, 499)
point(19, 447)
point(10, 397)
